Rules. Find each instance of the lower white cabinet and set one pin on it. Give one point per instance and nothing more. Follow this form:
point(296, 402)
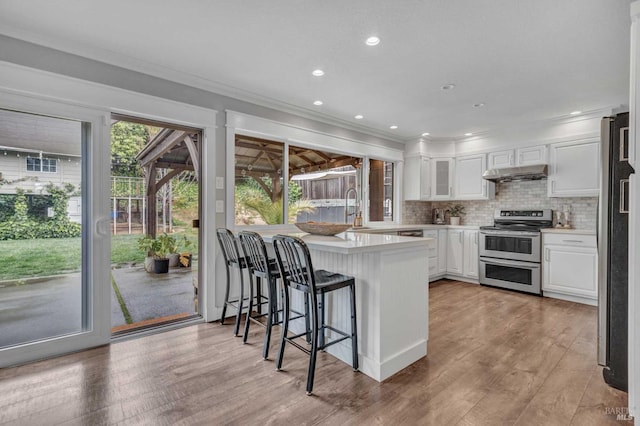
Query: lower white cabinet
point(437, 253)
point(470, 254)
point(570, 267)
point(455, 251)
point(442, 251)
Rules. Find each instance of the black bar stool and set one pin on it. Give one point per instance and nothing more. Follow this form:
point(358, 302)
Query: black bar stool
point(294, 261)
point(261, 267)
point(232, 258)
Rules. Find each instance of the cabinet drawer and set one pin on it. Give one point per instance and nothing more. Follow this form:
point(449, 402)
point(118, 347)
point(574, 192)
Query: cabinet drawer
point(570, 239)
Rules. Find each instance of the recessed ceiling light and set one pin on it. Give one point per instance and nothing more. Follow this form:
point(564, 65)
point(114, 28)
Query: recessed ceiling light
point(359, 117)
point(448, 86)
point(317, 73)
point(575, 112)
point(373, 41)
point(317, 103)
point(468, 134)
point(478, 105)
point(393, 127)
point(426, 134)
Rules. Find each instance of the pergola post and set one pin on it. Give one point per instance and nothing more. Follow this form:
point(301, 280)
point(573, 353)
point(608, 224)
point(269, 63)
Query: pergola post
point(152, 206)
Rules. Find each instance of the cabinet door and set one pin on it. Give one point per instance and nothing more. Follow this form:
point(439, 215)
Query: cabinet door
point(471, 254)
point(442, 178)
point(501, 159)
point(442, 251)
point(531, 155)
point(469, 182)
point(574, 169)
point(571, 270)
point(425, 178)
point(417, 178)
point(455, 250)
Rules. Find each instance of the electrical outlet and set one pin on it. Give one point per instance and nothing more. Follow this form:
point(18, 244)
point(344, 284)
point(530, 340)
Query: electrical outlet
point(219, 206)
point(219, 182)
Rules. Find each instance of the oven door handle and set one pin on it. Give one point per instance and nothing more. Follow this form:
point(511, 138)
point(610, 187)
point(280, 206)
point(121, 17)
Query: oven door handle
point(514, 263)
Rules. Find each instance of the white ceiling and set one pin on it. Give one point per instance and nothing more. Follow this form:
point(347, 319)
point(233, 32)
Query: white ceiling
point(525, 60)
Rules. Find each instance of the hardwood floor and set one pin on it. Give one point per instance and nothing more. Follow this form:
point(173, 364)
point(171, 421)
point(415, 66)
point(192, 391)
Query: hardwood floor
point(495, 358)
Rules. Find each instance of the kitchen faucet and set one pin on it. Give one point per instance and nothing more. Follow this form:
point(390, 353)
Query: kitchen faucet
point(346, 204)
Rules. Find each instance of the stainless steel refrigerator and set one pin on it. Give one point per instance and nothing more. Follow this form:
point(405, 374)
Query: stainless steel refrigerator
point(613, 250)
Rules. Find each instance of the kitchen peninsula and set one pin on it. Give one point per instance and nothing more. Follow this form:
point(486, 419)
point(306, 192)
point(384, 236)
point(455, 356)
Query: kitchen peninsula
point(392, 301)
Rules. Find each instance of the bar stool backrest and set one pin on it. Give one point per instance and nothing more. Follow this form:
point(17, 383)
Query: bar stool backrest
point(228, 245)
point(255, 251)
point(294, 261)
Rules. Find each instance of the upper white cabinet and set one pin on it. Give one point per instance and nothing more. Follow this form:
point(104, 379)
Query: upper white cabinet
point(417, 178)
point(574, 169)
point(502, 159)
point(468, 178)
point(518, 157)
point(531, 155)
point(442, 178)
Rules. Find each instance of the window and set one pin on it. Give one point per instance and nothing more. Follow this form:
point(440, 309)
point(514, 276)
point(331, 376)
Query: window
point(316, 188)
point(380, 191)
point(43, 165)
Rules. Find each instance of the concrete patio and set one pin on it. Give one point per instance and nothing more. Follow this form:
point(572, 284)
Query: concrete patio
point(35, 309)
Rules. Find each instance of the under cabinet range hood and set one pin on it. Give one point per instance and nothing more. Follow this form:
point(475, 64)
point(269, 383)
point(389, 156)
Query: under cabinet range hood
point(534, 172)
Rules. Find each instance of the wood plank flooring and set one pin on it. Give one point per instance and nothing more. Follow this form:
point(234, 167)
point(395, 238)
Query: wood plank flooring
point(495, 358)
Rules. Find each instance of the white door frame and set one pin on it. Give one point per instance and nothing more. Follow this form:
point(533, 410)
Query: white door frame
point(31, 90)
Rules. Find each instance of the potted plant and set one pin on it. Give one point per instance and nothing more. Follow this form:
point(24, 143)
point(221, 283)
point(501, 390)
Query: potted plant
point(455, 212)
point(185, 255)
point(158, 249)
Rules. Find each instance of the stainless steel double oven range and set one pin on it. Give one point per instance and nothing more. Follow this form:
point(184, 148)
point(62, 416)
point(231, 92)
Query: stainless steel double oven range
point(510, 251)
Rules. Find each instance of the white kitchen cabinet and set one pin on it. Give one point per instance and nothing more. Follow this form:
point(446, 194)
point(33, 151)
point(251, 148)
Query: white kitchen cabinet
point(455, 251)
point(570, 267)
point(442, 178)
point(531, 155)
point(469, 184)
point(574, 169)
point(502, 159)
point(442, 251)
point(417, 178)
point(518, 157)
point(470, 254)
point(433, 252)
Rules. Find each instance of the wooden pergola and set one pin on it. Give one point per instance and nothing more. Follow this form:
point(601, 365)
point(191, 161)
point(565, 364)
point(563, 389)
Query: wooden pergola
point(259, 158)
point(171, 150)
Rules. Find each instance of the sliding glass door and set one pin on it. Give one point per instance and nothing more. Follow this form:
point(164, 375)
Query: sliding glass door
point(54, 270)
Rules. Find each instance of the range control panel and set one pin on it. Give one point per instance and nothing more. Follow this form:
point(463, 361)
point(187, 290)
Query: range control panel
point(542, 214)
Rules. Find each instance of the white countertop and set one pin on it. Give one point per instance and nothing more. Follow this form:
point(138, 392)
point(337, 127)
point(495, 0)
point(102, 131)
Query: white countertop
point(568, 231)
point(353, 242)
point(394, 227)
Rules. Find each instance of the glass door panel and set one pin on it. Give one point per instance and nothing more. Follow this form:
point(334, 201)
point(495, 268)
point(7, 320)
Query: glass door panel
point(43, 293)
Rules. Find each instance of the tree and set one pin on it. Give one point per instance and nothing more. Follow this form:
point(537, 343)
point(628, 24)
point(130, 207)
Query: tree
point(127, 139)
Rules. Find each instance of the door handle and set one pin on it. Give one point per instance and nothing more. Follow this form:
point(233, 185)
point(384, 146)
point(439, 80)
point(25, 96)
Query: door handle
point(511, 160)
point(546, 254)
point(103, 227)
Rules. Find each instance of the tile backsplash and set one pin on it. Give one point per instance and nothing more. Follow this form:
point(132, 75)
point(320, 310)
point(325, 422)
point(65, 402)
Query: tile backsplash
point(509, 195)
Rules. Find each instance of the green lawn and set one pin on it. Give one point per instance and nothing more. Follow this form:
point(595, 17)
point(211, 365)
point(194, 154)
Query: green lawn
point(54, 256)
